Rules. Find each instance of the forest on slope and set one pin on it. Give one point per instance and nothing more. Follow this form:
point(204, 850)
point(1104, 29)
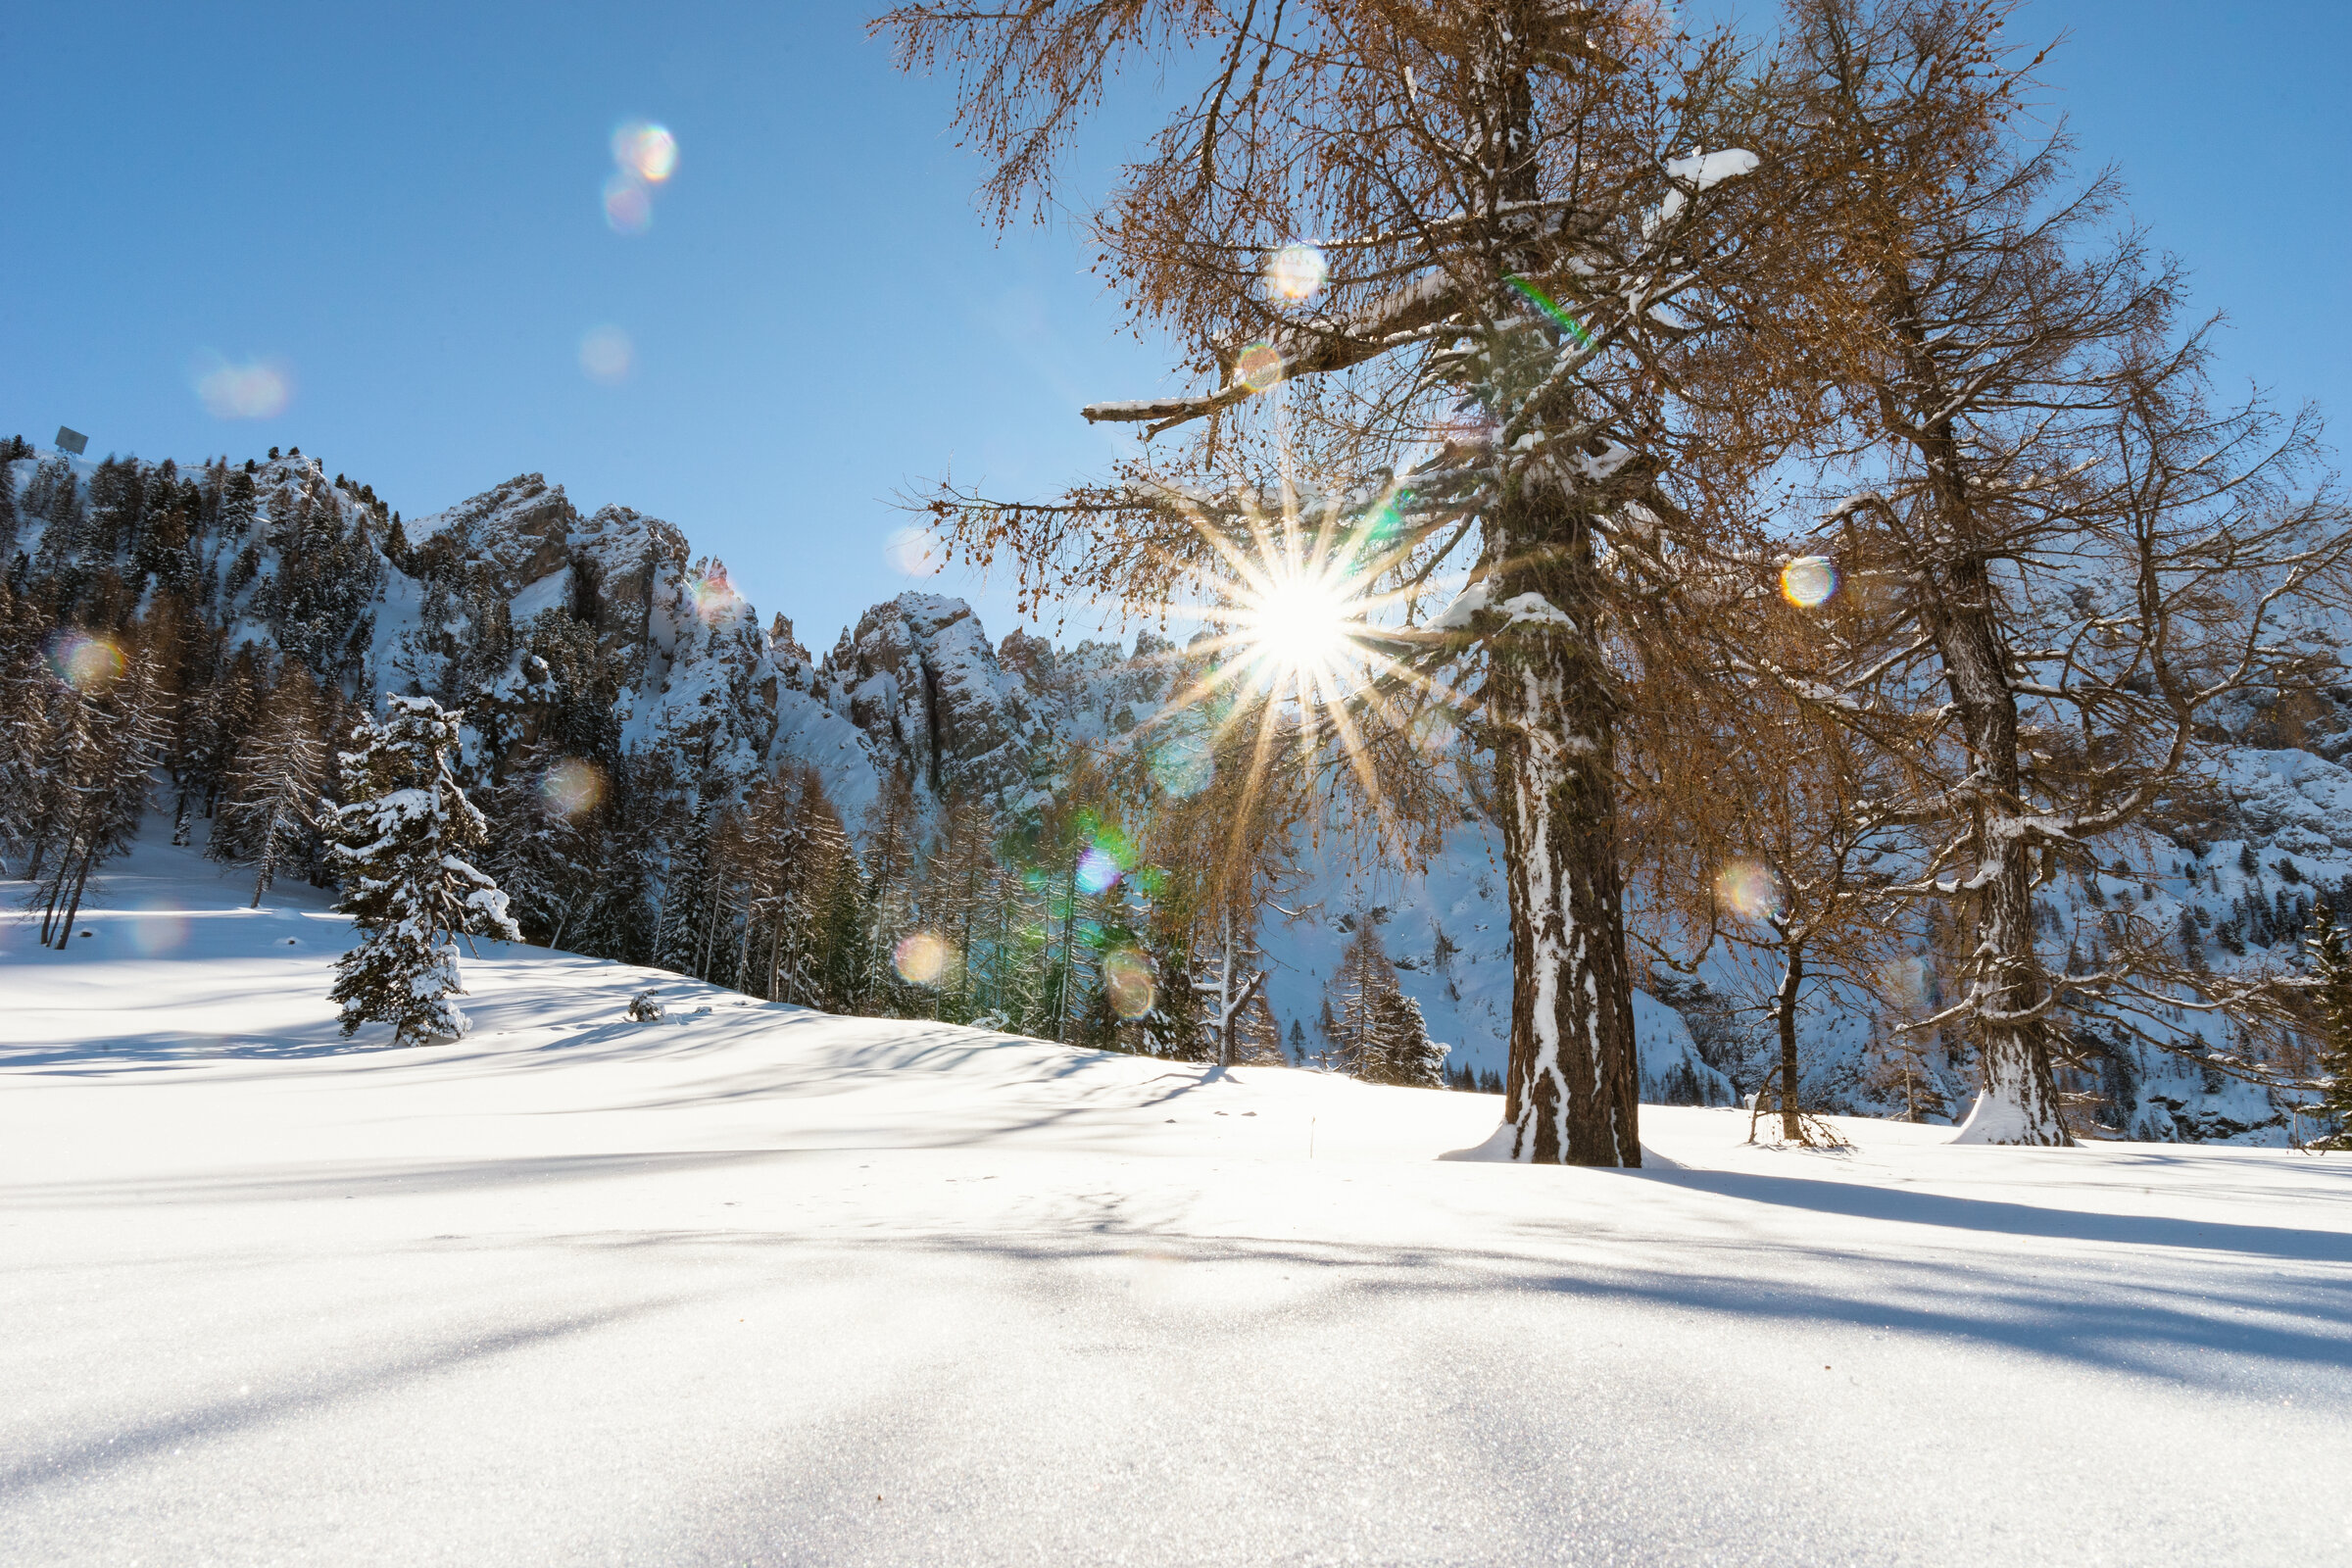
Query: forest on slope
point(921, 823)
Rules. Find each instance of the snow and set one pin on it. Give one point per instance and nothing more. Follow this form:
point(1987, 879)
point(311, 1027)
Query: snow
point(757, 1284)
point(1704, 170)
point(1699, 172)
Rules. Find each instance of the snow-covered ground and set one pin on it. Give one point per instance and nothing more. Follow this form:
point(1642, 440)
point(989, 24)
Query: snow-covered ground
point(755, 1285)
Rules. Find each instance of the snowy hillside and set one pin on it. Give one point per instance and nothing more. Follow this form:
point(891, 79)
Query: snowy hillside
point(601, 636)
point(755, 1284)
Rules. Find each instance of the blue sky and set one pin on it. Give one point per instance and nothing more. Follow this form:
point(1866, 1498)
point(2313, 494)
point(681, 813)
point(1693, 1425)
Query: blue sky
point(401, 206)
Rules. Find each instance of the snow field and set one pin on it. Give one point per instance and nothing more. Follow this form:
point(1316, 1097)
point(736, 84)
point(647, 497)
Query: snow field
point(760, 1285)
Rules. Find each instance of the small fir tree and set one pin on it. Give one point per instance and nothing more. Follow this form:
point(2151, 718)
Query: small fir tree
point(401, 842)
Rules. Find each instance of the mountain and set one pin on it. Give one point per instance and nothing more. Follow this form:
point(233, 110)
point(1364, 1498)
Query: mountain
point(603, 635)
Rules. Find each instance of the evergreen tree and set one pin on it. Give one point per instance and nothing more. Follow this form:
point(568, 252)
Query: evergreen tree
point(8, 499)
point(2332, 956)
point(954, 901)
point(894, 825)
point(401, 839)
point(1376, 1029)
point(1401, 1050)
point(27, 757)
point(100, 783)
point(272, 800)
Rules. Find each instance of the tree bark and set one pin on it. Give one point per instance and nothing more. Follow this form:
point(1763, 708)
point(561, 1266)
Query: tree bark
point(1784, 1007)
point(1574, 1085)
point(2020, 1100)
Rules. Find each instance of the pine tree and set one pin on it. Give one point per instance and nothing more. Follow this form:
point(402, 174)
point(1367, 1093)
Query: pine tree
point(894, 825)
point(1401, 1051)
point(955, 900)
point(26, 756)
point(1375, 1030)
point(272, 796)
point(2331, 956)
point(401, 840)
point(1327, 1036)
point(100, 783)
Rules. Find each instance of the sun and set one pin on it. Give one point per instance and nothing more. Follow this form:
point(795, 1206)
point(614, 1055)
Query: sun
point(1299, 622)
point(1298, 645)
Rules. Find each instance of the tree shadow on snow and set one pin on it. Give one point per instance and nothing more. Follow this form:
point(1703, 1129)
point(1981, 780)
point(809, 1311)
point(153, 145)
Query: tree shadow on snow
point(1908, 1205)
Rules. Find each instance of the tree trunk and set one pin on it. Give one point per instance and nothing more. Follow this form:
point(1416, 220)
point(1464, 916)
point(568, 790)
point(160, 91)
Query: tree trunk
point(2020, 1101)
point(1784, 1007)
point(1574, 1083)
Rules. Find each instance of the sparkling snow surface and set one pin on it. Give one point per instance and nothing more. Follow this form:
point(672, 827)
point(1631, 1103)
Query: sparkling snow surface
point(757, 1285)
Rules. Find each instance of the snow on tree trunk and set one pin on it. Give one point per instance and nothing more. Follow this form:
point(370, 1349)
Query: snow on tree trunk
point(1573, 1085)
point(2010, 992)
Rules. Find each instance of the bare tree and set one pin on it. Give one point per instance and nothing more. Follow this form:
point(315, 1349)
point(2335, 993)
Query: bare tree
point(1519, 209)
point(2060, 557)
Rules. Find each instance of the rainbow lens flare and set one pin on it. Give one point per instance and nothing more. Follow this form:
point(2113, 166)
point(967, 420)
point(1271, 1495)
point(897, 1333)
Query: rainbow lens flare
point(1127, 981)
point(1098, 871)
point(646, 150)
point(920, 957)
point(1808, 581)
point(713, 594)
point(86, 663)
point(254, 389)
point(1259, 367)
point(1750, 890)
point(572, 786)
point(1297, 271)
point(607, 356)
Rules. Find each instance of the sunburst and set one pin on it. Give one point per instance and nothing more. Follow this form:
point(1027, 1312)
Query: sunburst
point(1300, 631)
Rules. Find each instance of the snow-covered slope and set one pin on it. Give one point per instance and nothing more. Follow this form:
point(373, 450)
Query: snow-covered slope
point(281, 556)
point(760, 1285)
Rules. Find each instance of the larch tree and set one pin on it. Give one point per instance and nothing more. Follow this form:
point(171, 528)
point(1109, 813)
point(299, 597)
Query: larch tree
point(1437, 261)
point(401, 842)
point(1751, 820)
point(2063, 559)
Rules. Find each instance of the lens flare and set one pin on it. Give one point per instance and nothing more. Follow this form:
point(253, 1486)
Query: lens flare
point(916, 553)
point(712, 595)
point(1098, 871)
point(1297, 271)
point(1905, 981)
point(607, 356)
point(628, 205)
point(572, 786)
point(1808, 580)
point(1127, 981)
point(1182, 767)
point(1749, 890)
point(920, 957)
point(86, 663)
point(255, 389)
point(1259, 367)
point(645, 150)
point(156, 931)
